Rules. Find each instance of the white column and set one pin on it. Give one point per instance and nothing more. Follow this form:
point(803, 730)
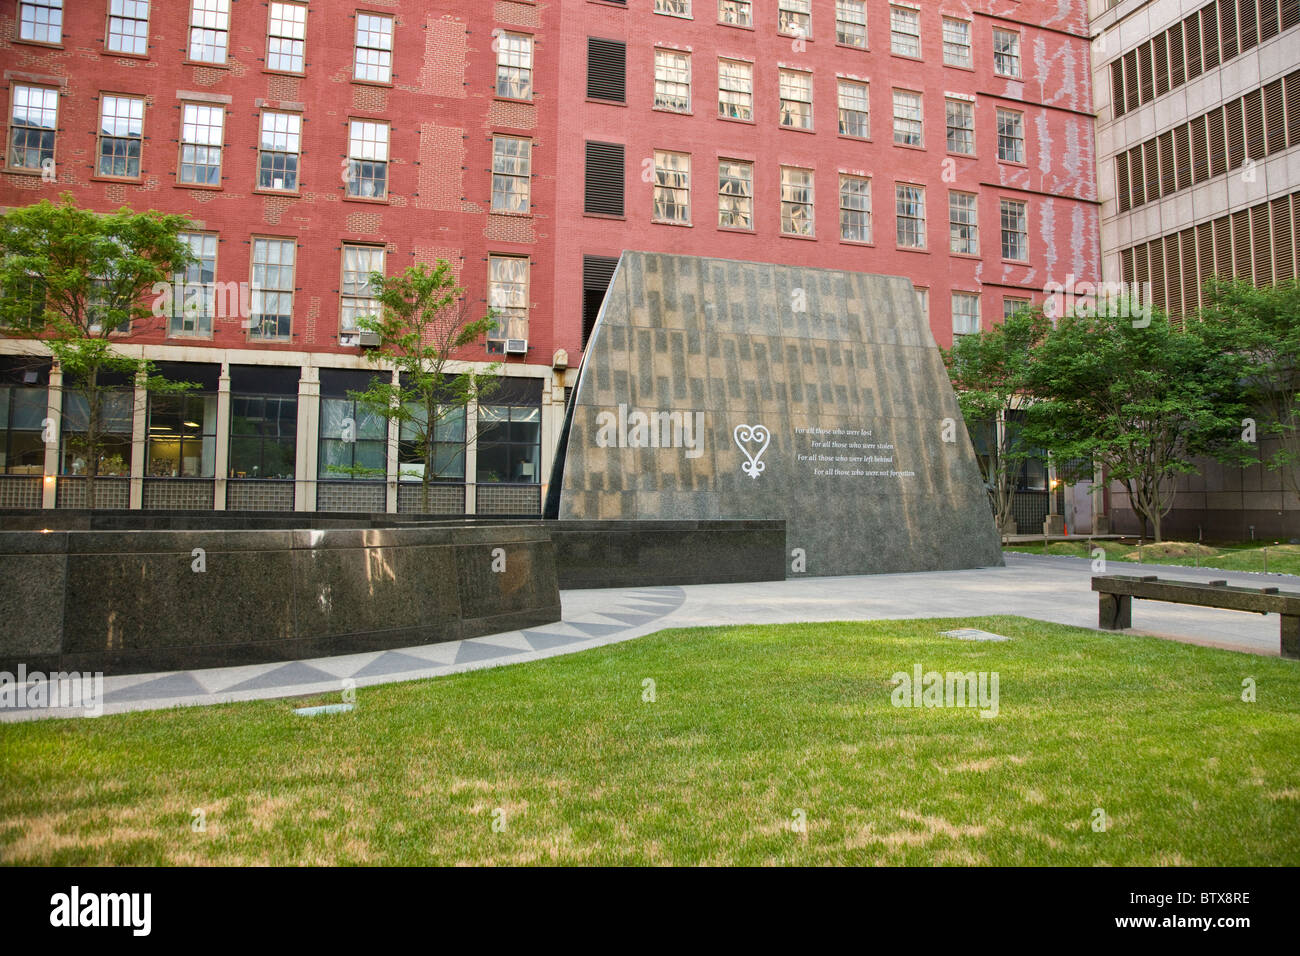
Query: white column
point(471, 457)
point(390, 469)
point(139, 443)
point(53, 427)
point(307, 445)
point(223, 439)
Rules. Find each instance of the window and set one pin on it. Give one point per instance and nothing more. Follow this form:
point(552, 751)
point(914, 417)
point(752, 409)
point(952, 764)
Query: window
point(368, 159)
point(794, 17)
point(202, 129)
point(272, 289)
point(907, 118)
point(22, 417)
point(263, 435)
point(40, 21)
point(956, 42)
point(33, 121)
point(796, 201)
point(905, 31)
point(509, 443)
point(515, 66)
point(1006, 52)
point(277, 157)
point(606, 70)
point(737, 13)
point(1011, 136)
point(672, 81)
point(121, 132)
point(603, 192)
point(508, 296)
point(960, 117)
point(672, 193)
point(796, 99)
point(356, 296)
point(855, 208)
point(735, 90)
point(128, 26)
point(182, 436)
point(674, 8)
point(1011, 305)
point(923, 303)
point(373, 59)
point(448, 444)
point(286, 37)
point(965, 313)
point(193, 303)
point(735, 194)
point(597, 274)
point(353, 440)
point(1015, 230)
point(116, 416)
point(909, 214)
point(209, 30)
point(512, 166)
point(855, 117)
point(963, 224)
point(851, 23)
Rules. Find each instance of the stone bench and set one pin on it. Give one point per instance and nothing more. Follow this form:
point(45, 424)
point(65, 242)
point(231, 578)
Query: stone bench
point(1115, 594)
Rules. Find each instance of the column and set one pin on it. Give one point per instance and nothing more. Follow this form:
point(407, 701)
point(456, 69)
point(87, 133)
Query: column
point(391, 466)
point(223, 439)
point(307, 446)
point(53, 428)
point(139, 443)
point(471, 457)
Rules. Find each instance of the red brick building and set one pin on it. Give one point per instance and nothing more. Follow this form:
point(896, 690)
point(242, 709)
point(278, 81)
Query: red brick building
point(529, 143)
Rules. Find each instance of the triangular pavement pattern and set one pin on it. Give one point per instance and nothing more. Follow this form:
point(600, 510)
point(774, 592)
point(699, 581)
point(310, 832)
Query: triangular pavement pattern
point(544, 642)
point(470, 652)
point(594, 629)
point(287, 676)
point(170, 685)
point(395, 662)
point(631, 620)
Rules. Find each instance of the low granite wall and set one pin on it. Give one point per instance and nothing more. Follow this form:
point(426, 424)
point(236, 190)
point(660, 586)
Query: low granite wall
point(126, 602)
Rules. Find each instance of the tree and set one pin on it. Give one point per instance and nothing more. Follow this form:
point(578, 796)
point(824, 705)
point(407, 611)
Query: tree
point(991, 374)
point(424, 320)
point(1261, 326)
point(1145, 400)
point(77, 281)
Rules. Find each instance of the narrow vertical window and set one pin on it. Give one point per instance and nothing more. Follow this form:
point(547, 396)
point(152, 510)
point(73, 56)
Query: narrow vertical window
point(515, 66)
point(193, 302)
point(960, 118)
point(851, 23)
point(909, 215)
point(963, 224)
point(277, 157)
point(356, 295)
point(128, 26)
point(33, 122)
point(735, 90)
point(512, 161)
point(794, 17)
point(672, 193)
point(796, 99)
point(368, 159)
point(202, 131)
point(672, 81)
point(1011, 136)
point(855, 116)
point(855, 208)
point(965, 313)
point(40, 21)
point(209, 30)
point(796, 201)
point(121, 133)
point(956, 42)
point(286, 37)
point(905, 31)
point(373, 58)
point(1006, 53)
point(1015, 230)
point(508, 296)
point(735, 194)
point(907, 118)
point(272, 289)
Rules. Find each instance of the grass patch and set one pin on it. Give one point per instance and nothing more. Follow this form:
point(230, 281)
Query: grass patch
point(1272, 557)
point(749, 725)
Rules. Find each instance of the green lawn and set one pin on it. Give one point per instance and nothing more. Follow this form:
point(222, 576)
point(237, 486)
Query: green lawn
point(748, 725)
point(1237, 556)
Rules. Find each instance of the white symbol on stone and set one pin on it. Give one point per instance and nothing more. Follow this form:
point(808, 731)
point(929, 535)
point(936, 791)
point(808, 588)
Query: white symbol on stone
point(744, 434)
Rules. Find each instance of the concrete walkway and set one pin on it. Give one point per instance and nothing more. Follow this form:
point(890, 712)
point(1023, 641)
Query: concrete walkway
point(1048, 588)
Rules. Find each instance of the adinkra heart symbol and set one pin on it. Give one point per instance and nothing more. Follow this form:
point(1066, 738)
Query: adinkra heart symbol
point(749, 435)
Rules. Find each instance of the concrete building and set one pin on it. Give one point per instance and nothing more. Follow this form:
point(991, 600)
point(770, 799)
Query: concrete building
point(1198, 120)
point(529, 144)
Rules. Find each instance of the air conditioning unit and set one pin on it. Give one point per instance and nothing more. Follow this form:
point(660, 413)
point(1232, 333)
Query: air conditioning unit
point(516, 346)
point(368, 340)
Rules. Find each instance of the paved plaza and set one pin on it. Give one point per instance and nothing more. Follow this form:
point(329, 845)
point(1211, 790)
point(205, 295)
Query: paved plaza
point(1048, 588)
